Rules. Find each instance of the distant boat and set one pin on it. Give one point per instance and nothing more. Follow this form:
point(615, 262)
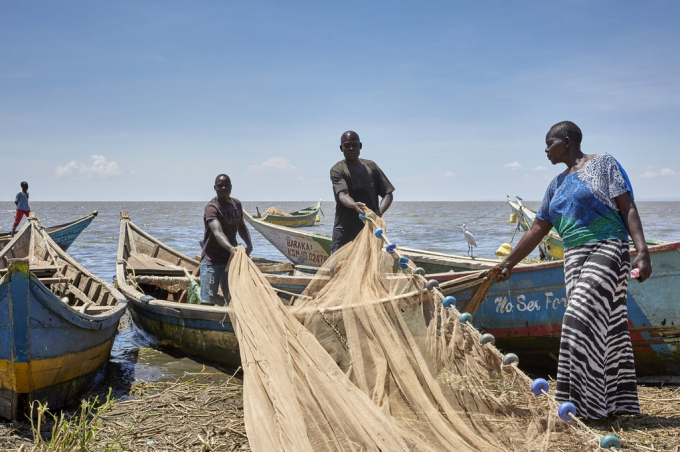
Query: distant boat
point(63, 235)
point(551, 247)
point(305, 248)
point(156, 280)
point(57, 323)
point(303, 217)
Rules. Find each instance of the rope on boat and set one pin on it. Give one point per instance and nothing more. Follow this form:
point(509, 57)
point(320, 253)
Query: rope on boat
point(488, 213)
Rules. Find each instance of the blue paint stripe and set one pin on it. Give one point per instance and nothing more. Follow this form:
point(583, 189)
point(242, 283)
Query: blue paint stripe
point(66, 237)
point(19, 305)
point(639, 319)
point(198, 324)
point(5, 333)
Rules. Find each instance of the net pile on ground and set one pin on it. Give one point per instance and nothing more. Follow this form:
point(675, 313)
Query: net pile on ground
point(368, 358)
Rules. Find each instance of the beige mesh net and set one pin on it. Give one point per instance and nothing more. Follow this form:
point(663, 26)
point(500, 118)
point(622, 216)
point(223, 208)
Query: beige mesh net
point(277, 212)
point(369, 359)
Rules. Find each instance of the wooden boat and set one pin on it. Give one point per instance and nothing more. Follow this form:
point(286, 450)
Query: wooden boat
point(303, 217)
point(305, 248)
point(63, 235)
point(57, 323)
point(525, 313)
point(551, 247)
point(155, 279)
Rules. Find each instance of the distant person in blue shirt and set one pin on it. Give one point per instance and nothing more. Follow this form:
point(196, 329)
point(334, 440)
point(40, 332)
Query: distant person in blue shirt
point(592, 207)
point(21, 202)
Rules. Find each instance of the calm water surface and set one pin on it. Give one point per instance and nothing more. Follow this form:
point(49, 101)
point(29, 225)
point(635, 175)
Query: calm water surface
point(428, 225)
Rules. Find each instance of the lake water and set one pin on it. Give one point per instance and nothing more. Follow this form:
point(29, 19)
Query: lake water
point(427, 225)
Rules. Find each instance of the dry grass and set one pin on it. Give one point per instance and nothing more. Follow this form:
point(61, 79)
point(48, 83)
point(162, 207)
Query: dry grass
point(182, 415)
point(657, 429)
point(209, 417)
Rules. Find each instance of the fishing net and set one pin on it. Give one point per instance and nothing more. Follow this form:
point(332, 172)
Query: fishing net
point(368, 358)
point(276, 211)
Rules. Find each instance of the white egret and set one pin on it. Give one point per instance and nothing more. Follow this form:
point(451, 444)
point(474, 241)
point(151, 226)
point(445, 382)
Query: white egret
point(470, 239)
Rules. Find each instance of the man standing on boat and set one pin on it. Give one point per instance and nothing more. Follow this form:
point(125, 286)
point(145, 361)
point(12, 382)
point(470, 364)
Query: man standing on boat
point(222, 219)
point(21, 202)
point(357, 184)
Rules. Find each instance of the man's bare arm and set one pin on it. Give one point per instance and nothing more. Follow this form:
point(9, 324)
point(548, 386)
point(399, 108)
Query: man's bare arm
point(385, 204)
point(244, 233)
point(347, 201)
point(216, 229)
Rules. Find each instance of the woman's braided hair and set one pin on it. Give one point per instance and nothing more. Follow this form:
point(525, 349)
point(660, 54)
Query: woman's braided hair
point(568, 129)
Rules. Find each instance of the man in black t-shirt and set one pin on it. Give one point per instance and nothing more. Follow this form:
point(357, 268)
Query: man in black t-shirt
point(357, 183)
point(222, 219)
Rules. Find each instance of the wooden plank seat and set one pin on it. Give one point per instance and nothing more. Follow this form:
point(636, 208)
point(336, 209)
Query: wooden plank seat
point(39, 269)
point(276, 267)
point(48, 281)
point(142, 264)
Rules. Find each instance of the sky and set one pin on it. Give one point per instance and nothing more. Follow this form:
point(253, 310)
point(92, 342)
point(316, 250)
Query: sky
point(150, 100)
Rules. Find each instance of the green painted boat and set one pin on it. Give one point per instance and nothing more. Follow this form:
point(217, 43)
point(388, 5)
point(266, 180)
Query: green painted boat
point(303, 217)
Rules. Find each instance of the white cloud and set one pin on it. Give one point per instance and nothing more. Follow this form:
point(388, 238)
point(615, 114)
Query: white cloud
point(513, 166)
point(449, 174)
point(99, 169)
point(273, 165)
point(663, 172)
point(540, 168)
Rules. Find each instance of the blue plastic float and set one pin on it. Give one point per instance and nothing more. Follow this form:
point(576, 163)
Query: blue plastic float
point(609, 441)
point(539, 385)
point(403, 262)
point(566, 410)
point(449, 301)
point(465, 317)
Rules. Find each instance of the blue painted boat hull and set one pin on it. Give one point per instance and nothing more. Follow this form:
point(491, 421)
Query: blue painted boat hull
point(48, 351)
point(202, 333)
point(64, 234)
point(525, 314)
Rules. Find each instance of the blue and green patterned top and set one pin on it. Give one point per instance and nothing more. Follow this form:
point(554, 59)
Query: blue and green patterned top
point(581, 205)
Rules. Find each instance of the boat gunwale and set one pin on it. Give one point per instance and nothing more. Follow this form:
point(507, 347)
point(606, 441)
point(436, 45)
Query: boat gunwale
point(53, 303)
point(59, 227)
point(134, 296)
point(303, 213)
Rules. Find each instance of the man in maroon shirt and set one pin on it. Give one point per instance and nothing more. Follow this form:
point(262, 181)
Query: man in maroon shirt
point(222, 218)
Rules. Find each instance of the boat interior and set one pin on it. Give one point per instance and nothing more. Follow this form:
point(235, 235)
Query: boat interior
point(59, 273)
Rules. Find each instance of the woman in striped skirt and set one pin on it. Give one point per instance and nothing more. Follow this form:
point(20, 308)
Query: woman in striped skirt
point(591, 205)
